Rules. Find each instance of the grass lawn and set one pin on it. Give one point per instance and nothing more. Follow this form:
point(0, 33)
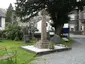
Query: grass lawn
point(23, 56)
point(69, 43)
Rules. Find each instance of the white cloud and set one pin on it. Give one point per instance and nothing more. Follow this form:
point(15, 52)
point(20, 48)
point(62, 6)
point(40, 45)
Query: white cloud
point(5, 3)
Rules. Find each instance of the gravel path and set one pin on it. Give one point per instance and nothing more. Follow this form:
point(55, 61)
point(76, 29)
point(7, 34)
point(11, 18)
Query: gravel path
point(74, 56)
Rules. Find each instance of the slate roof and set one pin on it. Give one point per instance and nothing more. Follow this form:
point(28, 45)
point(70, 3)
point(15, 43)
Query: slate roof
point(2, 12)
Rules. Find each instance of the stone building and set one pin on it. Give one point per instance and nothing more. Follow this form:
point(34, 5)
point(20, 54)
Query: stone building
point(76, 23)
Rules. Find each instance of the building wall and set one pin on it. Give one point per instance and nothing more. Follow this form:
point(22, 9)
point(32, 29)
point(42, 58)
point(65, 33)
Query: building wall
point(72, 16)
point(72, 22)
point(23, 24)
point(2, 24)
point(72, 27)
point(38, 26)
point(75, 20)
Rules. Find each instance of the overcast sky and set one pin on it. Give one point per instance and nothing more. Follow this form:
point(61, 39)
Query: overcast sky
point(5, 3)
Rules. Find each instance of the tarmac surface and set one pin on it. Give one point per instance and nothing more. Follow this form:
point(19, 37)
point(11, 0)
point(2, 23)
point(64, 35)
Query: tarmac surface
point(74, 56)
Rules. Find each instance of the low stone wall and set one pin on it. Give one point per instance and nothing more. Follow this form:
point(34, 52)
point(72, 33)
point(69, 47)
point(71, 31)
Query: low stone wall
point(76, 32)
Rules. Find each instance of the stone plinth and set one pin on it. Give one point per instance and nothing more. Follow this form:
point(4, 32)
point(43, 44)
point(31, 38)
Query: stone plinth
point(42, 44)
point(38, 50)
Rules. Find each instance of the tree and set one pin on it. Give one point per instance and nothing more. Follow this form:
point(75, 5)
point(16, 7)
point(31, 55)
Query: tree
point(57, 9)
point(9, 13)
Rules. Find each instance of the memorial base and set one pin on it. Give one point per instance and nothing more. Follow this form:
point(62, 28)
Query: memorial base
point(42, 44)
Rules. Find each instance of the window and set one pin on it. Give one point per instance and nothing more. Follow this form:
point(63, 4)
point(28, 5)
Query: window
point(0, 21)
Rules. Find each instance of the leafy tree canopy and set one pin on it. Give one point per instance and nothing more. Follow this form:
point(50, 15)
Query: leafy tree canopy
point(57, 9)
point(9, 13)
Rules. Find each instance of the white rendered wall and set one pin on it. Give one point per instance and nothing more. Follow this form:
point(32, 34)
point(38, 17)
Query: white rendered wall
point(72, 26)
point(23, 23)
point(72, 16)
point(39, 26)
point(82, 27)
point(2, 24)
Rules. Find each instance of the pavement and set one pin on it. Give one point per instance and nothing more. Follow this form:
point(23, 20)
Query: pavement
point(77, 36)
point(74, 56)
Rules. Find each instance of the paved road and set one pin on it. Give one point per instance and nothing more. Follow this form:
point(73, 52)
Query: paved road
point(74, 56)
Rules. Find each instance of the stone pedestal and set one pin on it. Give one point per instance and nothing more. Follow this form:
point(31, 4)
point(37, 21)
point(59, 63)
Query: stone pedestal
point(42, 45)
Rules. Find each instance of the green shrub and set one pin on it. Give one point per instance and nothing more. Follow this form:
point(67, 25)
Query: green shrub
point(13, 31)
point(2, 34)
point(51, 45)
